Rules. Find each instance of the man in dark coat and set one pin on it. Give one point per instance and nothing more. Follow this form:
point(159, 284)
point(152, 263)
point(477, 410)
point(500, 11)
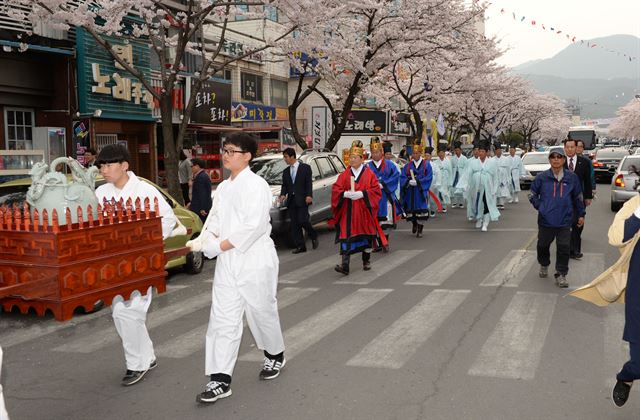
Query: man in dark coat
point(580, 166)
point(200, 190)
point(297, 192)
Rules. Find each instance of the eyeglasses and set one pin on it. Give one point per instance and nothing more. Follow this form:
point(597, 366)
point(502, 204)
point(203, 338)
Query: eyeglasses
point(232, 152)
point(555, 156)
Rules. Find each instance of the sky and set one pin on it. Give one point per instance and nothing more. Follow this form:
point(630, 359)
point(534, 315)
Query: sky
point(585, 19)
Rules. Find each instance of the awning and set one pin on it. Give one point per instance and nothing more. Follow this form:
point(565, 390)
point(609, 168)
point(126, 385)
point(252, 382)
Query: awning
point(35, 47)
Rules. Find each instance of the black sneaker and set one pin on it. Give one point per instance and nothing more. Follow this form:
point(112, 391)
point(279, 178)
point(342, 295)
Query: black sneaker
point(132, 377)
point(213, 392)
point(577, 256)
point(620, 393)
point(271, 368)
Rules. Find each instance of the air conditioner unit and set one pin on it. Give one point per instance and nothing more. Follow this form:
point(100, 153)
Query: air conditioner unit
point(47, 31)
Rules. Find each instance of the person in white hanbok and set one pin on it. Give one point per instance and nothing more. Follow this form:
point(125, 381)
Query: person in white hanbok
point(3, 409)
point(517, 170)
point(237, 232)
point(503, 177)
point(480, 187)
point(436, 183)
point(443, 165)
point(458, 166)
point(130, 316)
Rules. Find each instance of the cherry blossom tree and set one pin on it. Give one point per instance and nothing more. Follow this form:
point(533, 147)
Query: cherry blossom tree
point(529, 114)
point(171, 32)
point(627, 124)
point(344, 45)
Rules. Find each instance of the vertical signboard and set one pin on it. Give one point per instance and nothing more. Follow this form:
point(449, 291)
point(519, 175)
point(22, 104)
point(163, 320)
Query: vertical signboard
point(319, 126)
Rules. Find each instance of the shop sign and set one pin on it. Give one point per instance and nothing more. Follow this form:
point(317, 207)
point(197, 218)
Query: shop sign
point(237, 49)
point(319, 126)
point(400, 124)
point(251, 112)
point(365, 122)
point(104, 85)
point(282, 114)
point(212, 103)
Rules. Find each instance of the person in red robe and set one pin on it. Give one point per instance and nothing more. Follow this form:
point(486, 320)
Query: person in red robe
point(355, 197)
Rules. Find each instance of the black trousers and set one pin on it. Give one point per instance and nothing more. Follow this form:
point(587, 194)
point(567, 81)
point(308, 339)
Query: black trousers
point(562, 236)
point(300, 220)
point(631, 370)
point(185, 193)
point(576, 237)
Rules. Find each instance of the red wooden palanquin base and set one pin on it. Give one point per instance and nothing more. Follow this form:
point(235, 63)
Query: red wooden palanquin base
point(61, 268)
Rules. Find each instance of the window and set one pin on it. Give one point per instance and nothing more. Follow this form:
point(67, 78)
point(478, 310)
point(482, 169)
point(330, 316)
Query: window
point(242, 8)
point(337, 163)
point(279, 93)
point(315, 172)
point(19, 128)
point(251, 89)
point(325, 167)
point(271, 13)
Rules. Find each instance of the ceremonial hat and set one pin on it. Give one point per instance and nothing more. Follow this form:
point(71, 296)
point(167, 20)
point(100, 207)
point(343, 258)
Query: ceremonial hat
point(417, 146)
point(386, 146)
point(375, 144)
point(428, 150)
point(484, 145)
point(345, 156)
point(457, 144)
point(442, 145)
point(356, 148)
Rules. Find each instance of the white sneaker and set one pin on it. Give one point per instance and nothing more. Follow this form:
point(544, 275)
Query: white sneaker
point(479, 223)
point(485, 222)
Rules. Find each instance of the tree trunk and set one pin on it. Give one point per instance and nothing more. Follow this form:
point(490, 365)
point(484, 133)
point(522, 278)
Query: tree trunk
point(417, 136)
point(170, 154)
point(293, 121)
point(348, 104)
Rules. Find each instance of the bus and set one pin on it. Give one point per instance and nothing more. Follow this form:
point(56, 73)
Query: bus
point(585, 133)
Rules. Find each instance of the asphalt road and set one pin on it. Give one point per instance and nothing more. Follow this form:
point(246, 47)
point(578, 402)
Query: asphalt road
point(455, 325)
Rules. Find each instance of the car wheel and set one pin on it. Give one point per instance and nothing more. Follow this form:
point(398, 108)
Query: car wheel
point(195, 262)
point(615, 206)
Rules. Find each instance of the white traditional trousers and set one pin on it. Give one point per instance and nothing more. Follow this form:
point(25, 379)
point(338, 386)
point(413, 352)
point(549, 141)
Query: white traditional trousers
point(3, 409)
point(130, 320)
point(236, 290)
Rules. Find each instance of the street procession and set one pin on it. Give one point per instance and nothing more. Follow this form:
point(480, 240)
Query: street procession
point(319, 210)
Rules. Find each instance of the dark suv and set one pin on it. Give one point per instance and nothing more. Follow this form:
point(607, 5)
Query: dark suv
point(325, 168)
point(606, 161)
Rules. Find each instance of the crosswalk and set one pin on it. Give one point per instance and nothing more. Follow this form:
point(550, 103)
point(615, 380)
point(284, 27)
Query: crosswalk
point(512, 349)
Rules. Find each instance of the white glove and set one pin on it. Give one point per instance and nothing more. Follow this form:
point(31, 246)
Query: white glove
point(195, 245)
point(413, 182)
point(637, 212)
point(207, 243)
point(348, 194)
point(356, 195)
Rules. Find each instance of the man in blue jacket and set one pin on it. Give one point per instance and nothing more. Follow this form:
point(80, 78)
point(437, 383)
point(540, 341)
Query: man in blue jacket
point(556, 193)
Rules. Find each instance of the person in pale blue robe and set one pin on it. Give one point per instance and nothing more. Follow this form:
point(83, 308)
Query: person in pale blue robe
point(435, 182)
point(458, 166)
point(480, 186)
point(442, 164)
point(517, 170)
point(503, 177)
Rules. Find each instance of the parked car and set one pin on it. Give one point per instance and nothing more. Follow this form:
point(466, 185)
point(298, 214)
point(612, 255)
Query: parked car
point(15, 192)
point(606, 161)
point(623, 183)
point(325, 168)
point(533, 163)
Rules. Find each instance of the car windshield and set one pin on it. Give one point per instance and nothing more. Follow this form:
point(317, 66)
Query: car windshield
point(611, 153)
point(531, 159)
point(269, 169)
point(630, 161)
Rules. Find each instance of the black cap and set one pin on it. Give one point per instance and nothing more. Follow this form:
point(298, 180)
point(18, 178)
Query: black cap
point(484, 145)
point(386, 146)
point(457, 144)
point(428, 150)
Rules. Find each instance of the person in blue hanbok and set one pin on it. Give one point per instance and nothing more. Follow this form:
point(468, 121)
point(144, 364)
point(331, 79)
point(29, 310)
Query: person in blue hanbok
point(503, 175)
point(388, 175)
point(480, 186)
point(445, 169)
point(458, 166)
point(415, 181)
point(517, 170)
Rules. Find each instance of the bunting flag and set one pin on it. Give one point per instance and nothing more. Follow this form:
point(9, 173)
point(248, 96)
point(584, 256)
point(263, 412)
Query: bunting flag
point(559, 31)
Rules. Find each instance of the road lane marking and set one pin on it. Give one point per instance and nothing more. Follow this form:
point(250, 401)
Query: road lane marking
point(399, 342)
point(514, 348)
point(511, 270)
point(293, 277)
point(379, 267)
point(192, 341)
point(313, 329)
point(443, 268)
point(20, 334)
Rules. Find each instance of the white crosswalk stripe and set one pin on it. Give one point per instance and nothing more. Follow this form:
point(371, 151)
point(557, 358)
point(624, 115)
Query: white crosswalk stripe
point(192, 341)
point(443, 268)
point(514, 348)
point(308, 332)
point(20, 335)
point(511, 270)
point(379, 267)
point(295, 276)
point(399, 342)
point(91, 340)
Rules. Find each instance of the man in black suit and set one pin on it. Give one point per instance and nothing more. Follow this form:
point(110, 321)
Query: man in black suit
point(297, 190)
point(200, 190)
point(581, 166)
